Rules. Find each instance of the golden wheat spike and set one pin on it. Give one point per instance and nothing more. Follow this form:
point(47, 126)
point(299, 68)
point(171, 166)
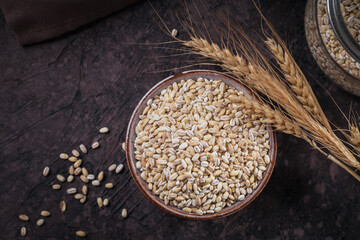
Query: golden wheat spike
point(297, 81)
point(353, 137)
point(273, 117)
point(282, 123)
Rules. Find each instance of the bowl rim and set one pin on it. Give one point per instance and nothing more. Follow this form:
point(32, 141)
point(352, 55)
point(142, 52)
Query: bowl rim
point(130, 159)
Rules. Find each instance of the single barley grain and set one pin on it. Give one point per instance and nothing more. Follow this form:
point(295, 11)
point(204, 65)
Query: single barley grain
point(84, 189)
point(24, 217)
point(123, 145)
point(70, 178)
point(75, 153)
point(187, 209)
point(119, 168)
point(95, 145)
point(40, 222)
point(267, 159)
point(23, 231)
point(45, 213)
point(78, 196)
point(109, 185)
point(83, 199)
point(71, 191)
point(95, 183)
point(104, 130)
point(46, 171)
point(106, 202)
point(91, 177)
point(112, 167)
point(60, 177)
point(83, 148)
point(56, 186)
point(124, 213)
point(84, 179)
point(71, 170)
point(198, 211)
point(77, 163)
point(62, 206)
point(64, 156)
point(77, 171)
point(100, 176)
point(174, 32)
point(80, 233)
point(99, 202)
point(73, 159)
point(84, 172)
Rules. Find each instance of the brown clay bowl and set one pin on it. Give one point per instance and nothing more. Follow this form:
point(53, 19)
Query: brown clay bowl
point(131, 161)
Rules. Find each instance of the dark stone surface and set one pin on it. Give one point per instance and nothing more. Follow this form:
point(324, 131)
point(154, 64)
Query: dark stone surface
point(57, 94)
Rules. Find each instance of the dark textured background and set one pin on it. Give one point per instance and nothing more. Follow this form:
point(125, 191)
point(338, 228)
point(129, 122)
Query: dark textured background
point(55, 95)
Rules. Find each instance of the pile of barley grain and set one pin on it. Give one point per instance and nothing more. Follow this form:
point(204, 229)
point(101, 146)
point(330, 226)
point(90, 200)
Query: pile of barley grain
point(77, 168)
point(351, 13)
point(196, 148)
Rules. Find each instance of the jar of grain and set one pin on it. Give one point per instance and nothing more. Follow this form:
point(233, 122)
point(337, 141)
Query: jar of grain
point(332, 30)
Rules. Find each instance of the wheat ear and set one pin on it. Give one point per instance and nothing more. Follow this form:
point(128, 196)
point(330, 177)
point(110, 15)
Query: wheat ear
point(273, 117)
point(354, 136)
point(281, 122)
point(223, 56)
point(297, 81)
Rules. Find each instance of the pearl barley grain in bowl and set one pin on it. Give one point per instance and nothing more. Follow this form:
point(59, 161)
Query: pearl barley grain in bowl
point(193, 151)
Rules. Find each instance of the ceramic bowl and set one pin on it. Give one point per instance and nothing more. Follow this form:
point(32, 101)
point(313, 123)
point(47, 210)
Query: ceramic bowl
point(130, 137)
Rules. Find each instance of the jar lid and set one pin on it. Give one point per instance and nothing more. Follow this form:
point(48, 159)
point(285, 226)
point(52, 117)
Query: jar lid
point(341, 31)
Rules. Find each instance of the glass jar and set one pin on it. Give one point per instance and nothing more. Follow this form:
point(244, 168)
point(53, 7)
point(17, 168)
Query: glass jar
point(333, 33)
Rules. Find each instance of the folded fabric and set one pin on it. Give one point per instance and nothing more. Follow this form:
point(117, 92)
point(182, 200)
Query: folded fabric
point(37, 20)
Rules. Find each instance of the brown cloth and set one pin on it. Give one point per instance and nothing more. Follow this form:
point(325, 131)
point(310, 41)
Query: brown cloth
point(37, 20)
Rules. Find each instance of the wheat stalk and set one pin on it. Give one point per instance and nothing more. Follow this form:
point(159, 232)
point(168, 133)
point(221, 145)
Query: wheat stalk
point(297, 81)
point(259, 78)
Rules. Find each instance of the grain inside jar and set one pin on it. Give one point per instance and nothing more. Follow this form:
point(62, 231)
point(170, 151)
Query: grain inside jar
point(351, 13)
